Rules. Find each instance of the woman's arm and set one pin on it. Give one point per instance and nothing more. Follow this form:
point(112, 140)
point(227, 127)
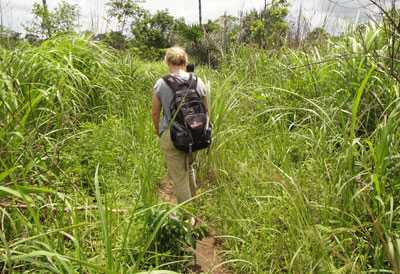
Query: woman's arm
point(204, 93)
point(205, 102)
point(155, 114)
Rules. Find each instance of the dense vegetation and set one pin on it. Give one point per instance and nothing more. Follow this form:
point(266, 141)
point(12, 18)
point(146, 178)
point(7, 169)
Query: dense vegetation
point(149, 34)
point(303, 175)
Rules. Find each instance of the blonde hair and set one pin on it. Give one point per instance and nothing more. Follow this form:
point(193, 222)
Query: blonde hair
point(176, 56)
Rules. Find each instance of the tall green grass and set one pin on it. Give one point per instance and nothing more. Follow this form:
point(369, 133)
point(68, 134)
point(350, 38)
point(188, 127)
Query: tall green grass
point(305, 159)
point(79, 163)
point(303, 173)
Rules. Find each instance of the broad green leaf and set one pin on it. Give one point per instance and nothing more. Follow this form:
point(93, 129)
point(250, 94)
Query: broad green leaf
point(7, 173)
point(15, 193)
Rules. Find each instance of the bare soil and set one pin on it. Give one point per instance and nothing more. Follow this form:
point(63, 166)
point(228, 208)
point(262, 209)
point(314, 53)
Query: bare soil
point(207, 252)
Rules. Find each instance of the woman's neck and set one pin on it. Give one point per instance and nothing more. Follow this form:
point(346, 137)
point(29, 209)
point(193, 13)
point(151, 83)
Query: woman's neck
point(177, 70)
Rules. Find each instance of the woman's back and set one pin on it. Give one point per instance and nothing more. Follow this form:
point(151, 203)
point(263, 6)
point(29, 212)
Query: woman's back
point(166, 95)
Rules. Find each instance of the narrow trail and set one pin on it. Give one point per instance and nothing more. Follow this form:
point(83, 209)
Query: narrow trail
point(207, 251)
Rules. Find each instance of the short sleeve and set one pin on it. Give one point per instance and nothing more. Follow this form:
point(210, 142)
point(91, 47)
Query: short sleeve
point(202, 88)
point(157, 87)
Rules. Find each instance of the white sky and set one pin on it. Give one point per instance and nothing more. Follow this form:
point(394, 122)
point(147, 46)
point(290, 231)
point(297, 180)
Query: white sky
point(18, 12)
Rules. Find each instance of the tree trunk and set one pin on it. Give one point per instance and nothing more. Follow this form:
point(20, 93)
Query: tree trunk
point(200, 14)
point(298, 31)
point(225, 33)
point(264, 42)
point(1, 17)
point(46, 22)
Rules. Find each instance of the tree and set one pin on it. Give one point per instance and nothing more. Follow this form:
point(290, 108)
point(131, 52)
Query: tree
point(250, 23)
point(45, 18)
point(317, 35)
point(200, 14)
point(124, 11)
point(155, 31)
point(32, 38)
point(276, 25)
point(114, 39)
point(190, 34)
point(9, 38)
point(66, 17)
point(267, 28)
point(389, 11)
point(46, 23)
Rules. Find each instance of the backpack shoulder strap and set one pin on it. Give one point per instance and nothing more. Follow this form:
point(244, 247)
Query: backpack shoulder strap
point(193, 81)
point(193, 84)
point(175, 85)
point(171, 82)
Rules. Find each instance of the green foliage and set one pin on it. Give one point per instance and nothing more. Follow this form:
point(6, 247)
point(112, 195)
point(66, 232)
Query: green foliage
point(125, 12)
point(174, 238)
point(8, 38)
point(276, 25)
point(191, 34)
point(303, 174)
point(310, 188)
point(317, 36)
point(154, 31)
point(211, 26)
point(146, 53)
point(75, 162)
point(199, 42)
point(267, 28)
point(47, 23)
point(114, 39)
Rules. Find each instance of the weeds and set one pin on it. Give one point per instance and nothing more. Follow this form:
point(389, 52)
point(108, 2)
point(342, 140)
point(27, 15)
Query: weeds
point(304, 161)
point(299, 179)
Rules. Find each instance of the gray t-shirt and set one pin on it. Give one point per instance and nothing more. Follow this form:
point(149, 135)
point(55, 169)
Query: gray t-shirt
point(165, 95)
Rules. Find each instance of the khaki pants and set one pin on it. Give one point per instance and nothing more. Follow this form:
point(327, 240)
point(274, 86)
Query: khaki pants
point(180, 168)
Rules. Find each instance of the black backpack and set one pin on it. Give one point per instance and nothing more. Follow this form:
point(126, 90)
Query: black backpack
point(190, 126)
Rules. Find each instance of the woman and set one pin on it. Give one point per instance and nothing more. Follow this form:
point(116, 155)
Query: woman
point(180, 168)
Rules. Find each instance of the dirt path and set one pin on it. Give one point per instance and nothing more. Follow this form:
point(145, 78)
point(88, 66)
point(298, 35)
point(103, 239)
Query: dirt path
point(207, 252)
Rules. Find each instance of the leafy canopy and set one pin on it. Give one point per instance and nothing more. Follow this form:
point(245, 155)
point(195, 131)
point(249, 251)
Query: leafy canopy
point(45, 24)
point(124, 12)
point(267, 28)
point(156, 30)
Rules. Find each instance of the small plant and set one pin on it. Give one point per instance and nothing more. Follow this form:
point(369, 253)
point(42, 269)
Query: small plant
point(174, 236)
